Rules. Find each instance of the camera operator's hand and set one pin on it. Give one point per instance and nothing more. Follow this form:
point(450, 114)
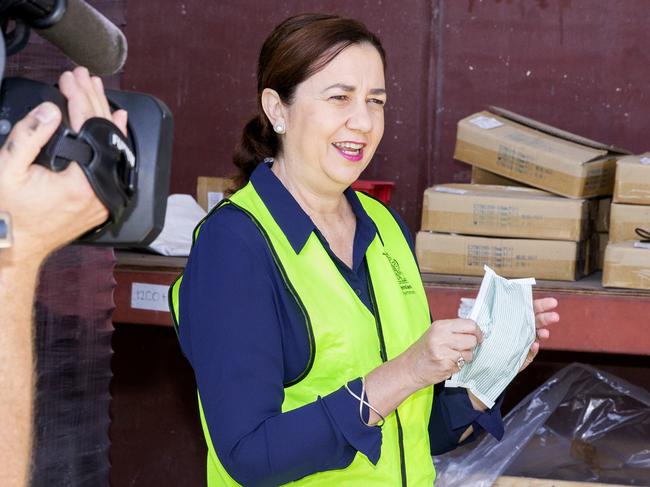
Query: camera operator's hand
point(49, 209)
point(86, 99)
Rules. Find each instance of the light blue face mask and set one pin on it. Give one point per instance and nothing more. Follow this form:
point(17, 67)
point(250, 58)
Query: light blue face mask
point(504, 311)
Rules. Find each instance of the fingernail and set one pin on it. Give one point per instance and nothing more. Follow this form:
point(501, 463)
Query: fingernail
point(45, 113)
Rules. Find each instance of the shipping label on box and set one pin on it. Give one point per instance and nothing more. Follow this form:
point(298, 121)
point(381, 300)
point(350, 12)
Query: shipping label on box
point(536, 154)
point(504, 211)
point(466, 255)
point(626, 266)
point(632, 184)
point(209, 190)
point(625, 219)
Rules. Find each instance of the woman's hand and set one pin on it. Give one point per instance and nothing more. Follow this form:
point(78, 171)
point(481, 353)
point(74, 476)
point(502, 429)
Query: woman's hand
point(436, 355)
point(544, 316)
point(433, 358)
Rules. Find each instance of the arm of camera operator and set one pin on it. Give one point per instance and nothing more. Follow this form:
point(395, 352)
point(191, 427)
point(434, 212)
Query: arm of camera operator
point(48, 210)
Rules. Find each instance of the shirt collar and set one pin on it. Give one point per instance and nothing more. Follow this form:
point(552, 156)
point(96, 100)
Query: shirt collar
point(295, 223)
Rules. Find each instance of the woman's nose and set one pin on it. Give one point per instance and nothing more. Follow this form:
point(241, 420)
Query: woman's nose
point(360, 119)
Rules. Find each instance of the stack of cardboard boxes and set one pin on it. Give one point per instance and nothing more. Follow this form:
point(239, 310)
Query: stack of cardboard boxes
point(518, 230)
point(627, 258)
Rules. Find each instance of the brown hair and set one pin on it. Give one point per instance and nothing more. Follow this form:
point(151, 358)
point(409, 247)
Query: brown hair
point(296, 49)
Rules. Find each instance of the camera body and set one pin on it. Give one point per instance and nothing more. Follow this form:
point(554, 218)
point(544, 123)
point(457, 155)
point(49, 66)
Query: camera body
point(150, 133)
point(128, 172)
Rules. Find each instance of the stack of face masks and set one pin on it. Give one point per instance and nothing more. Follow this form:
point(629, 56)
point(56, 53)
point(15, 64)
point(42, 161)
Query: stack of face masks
point(504, 311)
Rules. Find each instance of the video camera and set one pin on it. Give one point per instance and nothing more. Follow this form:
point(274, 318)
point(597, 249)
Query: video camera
point(129, 174)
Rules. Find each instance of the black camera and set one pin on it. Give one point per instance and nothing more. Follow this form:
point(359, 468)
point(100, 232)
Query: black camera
point(129, 173)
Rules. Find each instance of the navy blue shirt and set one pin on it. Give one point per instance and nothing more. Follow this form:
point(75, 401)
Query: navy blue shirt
point(246, 337)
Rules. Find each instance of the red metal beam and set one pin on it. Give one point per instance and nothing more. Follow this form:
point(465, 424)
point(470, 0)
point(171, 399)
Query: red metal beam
point(589, 322)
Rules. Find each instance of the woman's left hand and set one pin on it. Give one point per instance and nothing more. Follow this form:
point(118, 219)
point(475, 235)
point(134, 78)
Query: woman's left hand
point(544, 316)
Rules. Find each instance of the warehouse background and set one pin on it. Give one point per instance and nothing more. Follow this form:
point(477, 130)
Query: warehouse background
point(580, 65)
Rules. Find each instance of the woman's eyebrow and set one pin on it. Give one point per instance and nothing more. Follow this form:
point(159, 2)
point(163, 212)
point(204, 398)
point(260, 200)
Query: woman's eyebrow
point(341, 86)
point(350, 88)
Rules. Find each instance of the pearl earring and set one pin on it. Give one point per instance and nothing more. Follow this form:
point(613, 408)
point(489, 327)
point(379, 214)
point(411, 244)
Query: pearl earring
point(279, 128)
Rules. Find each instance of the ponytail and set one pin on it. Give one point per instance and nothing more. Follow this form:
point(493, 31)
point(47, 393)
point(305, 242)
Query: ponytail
point(258, 142)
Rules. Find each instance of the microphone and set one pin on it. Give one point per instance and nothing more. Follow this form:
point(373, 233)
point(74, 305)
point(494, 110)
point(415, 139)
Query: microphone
point(88, 38)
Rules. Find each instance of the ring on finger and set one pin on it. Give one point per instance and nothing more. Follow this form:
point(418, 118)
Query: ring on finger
point(460, 362)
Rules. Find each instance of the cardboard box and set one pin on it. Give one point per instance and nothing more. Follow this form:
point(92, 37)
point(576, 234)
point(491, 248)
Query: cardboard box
point(481, 176)
point(625, 219)
point(536, 154)
point(466, 255)
point(590, 257)
point(632, 184)
point(595, 252)
point(504, 211)
point(209, 190)
point(591, 254)
point(603, 240)
point(602, 207)
point(626, 266)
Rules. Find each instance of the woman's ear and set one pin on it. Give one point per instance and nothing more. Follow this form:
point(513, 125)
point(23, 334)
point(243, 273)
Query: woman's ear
point(274, 109)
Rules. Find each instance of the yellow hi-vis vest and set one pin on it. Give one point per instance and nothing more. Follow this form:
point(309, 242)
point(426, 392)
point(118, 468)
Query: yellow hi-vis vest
point(348, 341)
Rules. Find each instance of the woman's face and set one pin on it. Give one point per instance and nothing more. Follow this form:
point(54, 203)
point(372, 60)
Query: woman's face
point(336, 119)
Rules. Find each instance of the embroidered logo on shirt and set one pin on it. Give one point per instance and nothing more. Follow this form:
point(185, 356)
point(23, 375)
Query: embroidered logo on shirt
point(403, 283)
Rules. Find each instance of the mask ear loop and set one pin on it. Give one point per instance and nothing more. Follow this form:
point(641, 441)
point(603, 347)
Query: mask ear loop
point(644, 234)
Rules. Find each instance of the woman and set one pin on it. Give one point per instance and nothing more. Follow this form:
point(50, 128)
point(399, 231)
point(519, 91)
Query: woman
point(301, 308)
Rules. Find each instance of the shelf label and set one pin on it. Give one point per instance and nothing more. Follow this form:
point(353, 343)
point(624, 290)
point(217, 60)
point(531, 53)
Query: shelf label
point(152, 297)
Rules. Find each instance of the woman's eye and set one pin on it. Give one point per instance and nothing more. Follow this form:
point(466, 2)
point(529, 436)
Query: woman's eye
point(339, 97)
point(378, 101)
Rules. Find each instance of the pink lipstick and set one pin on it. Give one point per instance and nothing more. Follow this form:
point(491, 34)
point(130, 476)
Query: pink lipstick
point(352, 151)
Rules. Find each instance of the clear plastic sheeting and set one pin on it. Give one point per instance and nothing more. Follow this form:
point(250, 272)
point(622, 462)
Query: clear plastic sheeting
point(73, 333)
point(580, 425)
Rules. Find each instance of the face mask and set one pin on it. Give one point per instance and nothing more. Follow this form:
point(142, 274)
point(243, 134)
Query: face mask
point(504, 311)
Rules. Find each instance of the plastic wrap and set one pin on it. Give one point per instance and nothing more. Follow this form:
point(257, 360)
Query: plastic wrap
point(581, 425)
point(73, 333)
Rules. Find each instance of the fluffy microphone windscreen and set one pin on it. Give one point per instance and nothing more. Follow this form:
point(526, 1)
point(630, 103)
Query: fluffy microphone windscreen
point(88, 38)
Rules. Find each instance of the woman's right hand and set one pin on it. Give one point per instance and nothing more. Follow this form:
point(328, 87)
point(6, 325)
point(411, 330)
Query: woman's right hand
point(435, 356)
point(431, 359)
